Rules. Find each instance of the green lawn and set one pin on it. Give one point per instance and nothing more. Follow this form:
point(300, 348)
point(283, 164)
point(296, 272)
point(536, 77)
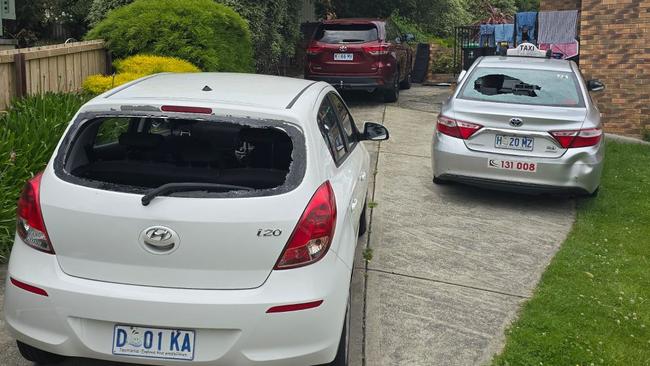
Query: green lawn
point(592, 306)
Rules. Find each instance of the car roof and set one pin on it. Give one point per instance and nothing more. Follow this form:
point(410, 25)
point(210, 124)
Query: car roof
point(353, 21)
point(263, 91)
point(518, 62)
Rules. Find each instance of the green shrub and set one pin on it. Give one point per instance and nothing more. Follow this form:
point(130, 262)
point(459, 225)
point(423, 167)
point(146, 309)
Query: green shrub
point(443, 62)
point(135, 67)
point(210, 35)
point(29, 133)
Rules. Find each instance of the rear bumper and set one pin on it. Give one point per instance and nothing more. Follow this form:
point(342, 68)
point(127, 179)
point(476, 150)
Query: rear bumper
point(350, 82)
point(232, 326)
point(577, 171)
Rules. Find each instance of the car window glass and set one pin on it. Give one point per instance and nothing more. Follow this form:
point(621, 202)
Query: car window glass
point(346, 120)
point(523, 86)
point(110, 130)
point(328, 122)
point(346, 33)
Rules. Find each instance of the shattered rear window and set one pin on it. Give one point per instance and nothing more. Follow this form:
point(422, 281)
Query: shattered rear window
point(140, 153)
point(523, 86)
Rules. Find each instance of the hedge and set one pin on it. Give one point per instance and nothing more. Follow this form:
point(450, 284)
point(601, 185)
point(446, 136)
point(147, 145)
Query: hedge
point(210, 35)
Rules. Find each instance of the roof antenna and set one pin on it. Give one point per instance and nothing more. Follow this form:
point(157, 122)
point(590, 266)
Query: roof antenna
point(206, 88)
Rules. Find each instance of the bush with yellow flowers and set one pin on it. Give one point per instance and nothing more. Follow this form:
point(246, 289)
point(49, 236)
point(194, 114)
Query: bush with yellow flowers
point(135, 67)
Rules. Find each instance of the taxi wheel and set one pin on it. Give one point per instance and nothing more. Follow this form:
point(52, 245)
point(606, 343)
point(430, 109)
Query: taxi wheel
point(38, 356)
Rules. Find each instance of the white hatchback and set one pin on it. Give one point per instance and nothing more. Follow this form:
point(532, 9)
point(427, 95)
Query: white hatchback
point(210, 218)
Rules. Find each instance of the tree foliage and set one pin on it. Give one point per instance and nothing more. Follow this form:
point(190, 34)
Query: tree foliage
point(210, 35)
point(35, 19)
point(275, 29)
point(436, 17)
point(100, 8)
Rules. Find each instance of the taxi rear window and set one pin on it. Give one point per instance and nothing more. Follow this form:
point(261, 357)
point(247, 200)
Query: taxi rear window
point(523, 86)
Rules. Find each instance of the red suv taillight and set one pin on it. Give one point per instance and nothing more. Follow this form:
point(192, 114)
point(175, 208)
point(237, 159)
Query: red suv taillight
point(377, 50)
point(458, 129)
point(578, 138)
point(313, 235)
point(29, 221)
point(314, 49)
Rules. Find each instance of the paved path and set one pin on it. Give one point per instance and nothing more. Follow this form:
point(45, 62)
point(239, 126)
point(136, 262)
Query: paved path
point(451, 264)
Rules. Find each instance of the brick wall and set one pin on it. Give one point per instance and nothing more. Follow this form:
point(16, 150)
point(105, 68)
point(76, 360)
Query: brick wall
point(615, 48)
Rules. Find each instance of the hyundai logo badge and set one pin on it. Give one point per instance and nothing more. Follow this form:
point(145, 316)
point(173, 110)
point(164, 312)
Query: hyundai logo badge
point(516, 122)
point(159, 240)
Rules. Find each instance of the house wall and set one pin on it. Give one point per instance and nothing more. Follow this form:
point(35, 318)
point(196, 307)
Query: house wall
point(614, 49)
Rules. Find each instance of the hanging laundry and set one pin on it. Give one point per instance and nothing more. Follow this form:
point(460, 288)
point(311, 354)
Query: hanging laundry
point(562, 50)
point(486, 32)
point(504, 33)
point(525, 23)
point(557, 26)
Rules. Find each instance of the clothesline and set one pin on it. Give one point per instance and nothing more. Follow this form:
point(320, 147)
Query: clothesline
point(555, 30)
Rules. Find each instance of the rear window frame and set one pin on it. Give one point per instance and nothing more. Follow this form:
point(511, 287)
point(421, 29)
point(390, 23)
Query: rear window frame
point(322, 28)
point(295, 176)
point(466, 81)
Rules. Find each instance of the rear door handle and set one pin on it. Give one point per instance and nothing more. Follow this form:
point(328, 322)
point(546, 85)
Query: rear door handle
point(362, 176)
point(353, 204)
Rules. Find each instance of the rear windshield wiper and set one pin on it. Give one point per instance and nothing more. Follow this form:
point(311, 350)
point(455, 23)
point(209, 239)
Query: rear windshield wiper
point(186, 187)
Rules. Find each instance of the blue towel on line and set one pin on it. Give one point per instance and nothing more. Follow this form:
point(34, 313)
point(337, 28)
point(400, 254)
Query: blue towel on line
point(486, 31)
point(504, 33)
point(526, 20)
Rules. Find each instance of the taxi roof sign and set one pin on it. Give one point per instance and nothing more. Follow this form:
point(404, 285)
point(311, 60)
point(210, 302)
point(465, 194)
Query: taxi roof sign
point(528, 50)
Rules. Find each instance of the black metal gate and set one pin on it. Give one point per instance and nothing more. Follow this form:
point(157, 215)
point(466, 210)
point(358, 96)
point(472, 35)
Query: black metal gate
point(467, 47)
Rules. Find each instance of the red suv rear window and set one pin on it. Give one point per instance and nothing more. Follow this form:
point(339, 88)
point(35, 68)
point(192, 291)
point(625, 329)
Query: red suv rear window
point(346, 33)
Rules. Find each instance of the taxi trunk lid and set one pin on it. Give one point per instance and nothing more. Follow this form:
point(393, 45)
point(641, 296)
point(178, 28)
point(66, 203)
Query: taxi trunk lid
point(517, 125)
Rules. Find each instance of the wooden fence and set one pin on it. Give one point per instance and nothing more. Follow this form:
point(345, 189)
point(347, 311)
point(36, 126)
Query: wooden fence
point(56, 68)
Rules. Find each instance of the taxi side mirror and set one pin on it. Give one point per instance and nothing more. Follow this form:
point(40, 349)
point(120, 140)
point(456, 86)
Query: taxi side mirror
point(595, 85)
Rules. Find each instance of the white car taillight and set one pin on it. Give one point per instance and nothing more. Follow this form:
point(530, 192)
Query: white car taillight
point(29, 219)
point(578, 138)
point(458, 129)
point(313, 234)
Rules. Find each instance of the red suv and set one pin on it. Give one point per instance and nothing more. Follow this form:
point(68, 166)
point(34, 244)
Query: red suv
point(364, 54)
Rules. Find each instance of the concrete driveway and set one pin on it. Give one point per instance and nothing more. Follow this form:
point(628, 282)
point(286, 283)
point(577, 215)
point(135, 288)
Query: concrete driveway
point(450, 264)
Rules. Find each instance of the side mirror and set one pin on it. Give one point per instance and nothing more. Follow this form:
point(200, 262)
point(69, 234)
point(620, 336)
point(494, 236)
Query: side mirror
point(461, 76)
point(595, 85)
point(374, 132)
point(408, 37)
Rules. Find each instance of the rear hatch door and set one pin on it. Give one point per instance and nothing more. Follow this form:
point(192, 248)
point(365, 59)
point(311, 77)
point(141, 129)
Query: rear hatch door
point(101, 230)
